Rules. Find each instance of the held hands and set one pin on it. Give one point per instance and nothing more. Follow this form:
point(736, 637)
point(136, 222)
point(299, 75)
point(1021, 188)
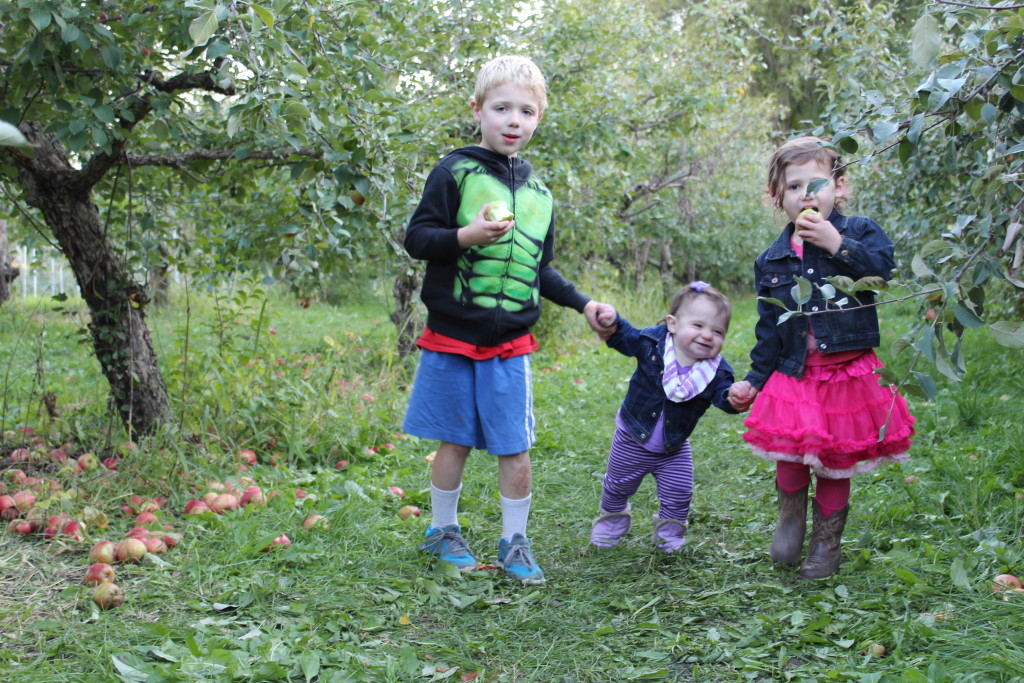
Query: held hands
point(741, 395)
point(482, 232)
point(812, 227)
point(601, 317)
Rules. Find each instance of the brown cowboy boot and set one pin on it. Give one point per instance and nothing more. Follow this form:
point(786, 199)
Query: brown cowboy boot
point(825, 552)
point(788, 544)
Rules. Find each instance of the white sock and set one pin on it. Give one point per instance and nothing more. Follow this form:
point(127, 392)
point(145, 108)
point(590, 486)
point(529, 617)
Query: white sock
point(444, 506)
point(514, 514)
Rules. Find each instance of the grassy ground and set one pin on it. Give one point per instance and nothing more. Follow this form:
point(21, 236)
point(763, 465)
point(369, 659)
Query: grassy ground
point(357, 602)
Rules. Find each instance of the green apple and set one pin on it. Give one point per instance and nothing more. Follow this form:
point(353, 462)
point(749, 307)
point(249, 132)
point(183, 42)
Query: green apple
point(497, 211)
point(811, 211)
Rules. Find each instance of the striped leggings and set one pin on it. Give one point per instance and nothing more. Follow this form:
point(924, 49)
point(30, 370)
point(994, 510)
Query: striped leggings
point(629, 462)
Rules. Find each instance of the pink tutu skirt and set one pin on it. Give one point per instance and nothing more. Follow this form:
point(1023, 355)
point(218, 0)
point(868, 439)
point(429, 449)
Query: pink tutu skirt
point(831, 420)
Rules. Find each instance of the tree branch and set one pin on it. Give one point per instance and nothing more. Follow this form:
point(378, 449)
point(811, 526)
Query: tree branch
point(179, 159)
point(101, 162)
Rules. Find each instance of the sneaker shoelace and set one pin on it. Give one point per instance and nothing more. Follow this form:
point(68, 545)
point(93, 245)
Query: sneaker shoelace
point(456, 544)
point(519, 554)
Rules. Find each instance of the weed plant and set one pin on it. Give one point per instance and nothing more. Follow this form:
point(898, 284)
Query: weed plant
point(359, 602)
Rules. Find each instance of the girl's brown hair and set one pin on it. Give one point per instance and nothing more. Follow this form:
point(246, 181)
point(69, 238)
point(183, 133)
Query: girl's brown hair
point(697, 288)
point(798, 151)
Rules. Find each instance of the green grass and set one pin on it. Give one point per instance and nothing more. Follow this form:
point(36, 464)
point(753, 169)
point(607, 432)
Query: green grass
point(358, 602)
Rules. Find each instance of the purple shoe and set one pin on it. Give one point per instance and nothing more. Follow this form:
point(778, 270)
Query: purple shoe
point(609, 528)
point(669, 534)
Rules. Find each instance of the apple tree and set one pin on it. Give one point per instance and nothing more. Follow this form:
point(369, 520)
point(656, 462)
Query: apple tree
point(221, 134)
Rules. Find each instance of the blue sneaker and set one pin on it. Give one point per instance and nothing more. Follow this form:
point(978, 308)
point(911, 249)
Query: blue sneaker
point(449, 546)
point(516, 559)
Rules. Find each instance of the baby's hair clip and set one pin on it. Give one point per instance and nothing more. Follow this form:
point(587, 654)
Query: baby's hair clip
point(699, 285)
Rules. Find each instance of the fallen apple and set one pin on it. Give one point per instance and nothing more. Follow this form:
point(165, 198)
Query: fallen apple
point(88, 462)
point(397, 491)
point(253, 495)
point(20, 526)
point(107, 596)
point(247, 456)
point(197, 507)
point(130, 550)
point(281, 541)
point(99, 572)
point(315, 522)
point(1005, 582)
point(341, 464)
point(145, 518)
point(103, 552)
point(407, 511)
point(224, 502)
point(154, 545)
point(498, 211)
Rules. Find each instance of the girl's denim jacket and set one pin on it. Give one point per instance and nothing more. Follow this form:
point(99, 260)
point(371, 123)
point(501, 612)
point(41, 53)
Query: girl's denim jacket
point(646, 401)
point(865, 250)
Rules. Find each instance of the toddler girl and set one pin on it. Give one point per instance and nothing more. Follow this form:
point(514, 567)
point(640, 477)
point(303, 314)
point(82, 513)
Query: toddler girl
point(819, 405)
point(679, 373)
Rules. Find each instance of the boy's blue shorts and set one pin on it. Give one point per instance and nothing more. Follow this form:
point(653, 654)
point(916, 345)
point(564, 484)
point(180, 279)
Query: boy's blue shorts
point(485, 404)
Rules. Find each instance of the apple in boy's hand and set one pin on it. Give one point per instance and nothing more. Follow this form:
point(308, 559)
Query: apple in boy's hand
point(498, 212)
point(809, 210)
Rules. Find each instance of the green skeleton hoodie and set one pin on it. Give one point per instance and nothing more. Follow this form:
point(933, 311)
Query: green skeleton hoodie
point(486, 295)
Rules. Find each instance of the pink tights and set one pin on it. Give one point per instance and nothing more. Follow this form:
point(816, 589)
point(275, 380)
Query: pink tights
point(832, 494)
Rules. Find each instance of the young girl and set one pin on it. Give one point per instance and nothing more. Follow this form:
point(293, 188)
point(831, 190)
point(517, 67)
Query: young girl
point(819, 405)
point(679, 373)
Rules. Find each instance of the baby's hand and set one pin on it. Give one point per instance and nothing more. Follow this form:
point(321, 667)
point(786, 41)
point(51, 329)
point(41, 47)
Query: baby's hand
point(601, 318)
point(481, 232)
point(741, 395)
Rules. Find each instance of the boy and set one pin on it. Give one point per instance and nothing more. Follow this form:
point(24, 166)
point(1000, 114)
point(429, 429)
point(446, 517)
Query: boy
point(482, 288)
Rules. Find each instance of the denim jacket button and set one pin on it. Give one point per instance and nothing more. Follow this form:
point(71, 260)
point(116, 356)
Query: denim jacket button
point(810, 271)
point(774, 280)
point(845, 252)
point(824, 346)
point(814, 308)
point(654, 414)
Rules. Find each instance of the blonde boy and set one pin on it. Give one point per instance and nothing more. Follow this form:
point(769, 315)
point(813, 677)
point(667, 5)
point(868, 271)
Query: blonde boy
point(482, 288)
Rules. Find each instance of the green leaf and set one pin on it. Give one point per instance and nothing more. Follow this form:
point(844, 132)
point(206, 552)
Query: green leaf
point(104, 113)
point(1008, 334)
point(310, 664)
point(815, 186)
point(203, 27)
point(967, 317)
point(772, 301)
point(906, 576)
point(926, 41)
point(40, 17)
point(958, 575)
point(128, 673)
point(801, 291)
point(883, 131)
point(265, 15)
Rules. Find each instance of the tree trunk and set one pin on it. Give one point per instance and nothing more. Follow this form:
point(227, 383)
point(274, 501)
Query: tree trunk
point(404, 317)
point(5, 287)
point(116, 302)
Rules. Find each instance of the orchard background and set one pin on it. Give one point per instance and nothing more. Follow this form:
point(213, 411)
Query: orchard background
point(229, 182)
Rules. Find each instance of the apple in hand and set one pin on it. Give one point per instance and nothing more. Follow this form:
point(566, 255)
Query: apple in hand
point(498, 211)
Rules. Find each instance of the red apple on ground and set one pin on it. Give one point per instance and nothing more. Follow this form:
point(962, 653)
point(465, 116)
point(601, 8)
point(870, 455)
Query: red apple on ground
point(281, 541)
point(20, 526)
point(130, 550)
point(407, 511)
point(88, 462)
point(315, 521)
point(103, 552)
point(247, 456)
point(8, 510)
point(24, 500)
point(341, 464)
point(154, 545)
point(145, 518)
point(107, 596)
point(196, 507)
point(99, 572)
point(253, 495)
point(111, 463)
point(1005, 582)
point(224, 502)
point(397, 491)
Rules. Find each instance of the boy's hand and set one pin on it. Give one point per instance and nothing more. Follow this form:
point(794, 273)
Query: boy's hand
point(814, 228)
point(741, 395)
point(601, 317)
point(481, 232)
